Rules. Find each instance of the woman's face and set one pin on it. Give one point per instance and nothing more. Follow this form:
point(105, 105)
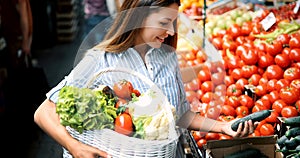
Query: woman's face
point(158, 26)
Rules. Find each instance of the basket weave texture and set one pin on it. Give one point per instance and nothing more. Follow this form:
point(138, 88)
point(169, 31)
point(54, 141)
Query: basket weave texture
point(122, 146)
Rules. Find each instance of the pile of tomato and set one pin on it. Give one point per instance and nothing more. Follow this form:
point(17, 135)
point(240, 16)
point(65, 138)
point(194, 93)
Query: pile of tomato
point(271, 71)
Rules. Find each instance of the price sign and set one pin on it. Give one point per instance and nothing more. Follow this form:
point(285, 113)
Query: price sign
point(268, 21)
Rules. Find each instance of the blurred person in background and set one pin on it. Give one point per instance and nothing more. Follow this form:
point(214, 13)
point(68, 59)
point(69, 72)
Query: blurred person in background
point(95, 11)
point(16, 26)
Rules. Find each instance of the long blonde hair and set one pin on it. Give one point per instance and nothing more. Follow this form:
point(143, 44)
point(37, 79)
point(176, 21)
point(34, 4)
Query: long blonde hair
point(127, 24)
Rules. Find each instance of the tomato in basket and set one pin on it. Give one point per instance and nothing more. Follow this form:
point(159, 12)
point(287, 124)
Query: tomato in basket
point(123, 89)
point(123, 124)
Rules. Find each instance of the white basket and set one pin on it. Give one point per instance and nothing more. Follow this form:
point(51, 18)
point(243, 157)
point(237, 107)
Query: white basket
point(122, 146)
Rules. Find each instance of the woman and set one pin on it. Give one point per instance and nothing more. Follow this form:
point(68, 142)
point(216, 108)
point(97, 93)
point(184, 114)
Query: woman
point(142, 38)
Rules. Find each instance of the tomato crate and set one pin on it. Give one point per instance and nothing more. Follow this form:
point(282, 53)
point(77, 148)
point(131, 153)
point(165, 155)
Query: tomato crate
point(220, 148)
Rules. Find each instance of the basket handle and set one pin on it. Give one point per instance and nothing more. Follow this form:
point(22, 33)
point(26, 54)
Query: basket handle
point(124, 70)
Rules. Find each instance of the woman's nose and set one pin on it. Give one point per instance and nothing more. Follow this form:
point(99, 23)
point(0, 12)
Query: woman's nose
point(171, 31)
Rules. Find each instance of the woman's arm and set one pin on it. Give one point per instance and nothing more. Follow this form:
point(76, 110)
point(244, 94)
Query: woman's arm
point(194, 121)
point(48, 120)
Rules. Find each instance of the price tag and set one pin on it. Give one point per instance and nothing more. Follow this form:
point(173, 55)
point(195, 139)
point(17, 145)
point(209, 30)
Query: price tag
point(296, 9)
point(268, 21)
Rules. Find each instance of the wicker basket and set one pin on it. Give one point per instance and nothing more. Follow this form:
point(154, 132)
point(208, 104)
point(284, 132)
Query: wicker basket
point(119, 145)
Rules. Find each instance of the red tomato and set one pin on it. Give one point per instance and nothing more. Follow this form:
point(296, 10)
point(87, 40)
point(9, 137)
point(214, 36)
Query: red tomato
point(260, 124)
point(207, 86)
point(286, 51)
point(212, 136)
point(193, 85)
point(220, 90)
point(283, 38)
point(274, 95)
point(233, 62)
point(278, 105)
point(230, 45)
point(196, 135)
point(136, 92)
point(189, 56)
point(281, 84)
point(201, 56)
point(123, 89)
point(234, 30)
point(199, 94)
point(271, 85)
point(291, 73)
point(213, 112)
point(232, 101)
point(254, 79)
point(216, 66)
point(226, 118)
point(282, 60)
point(260, 46)
point(207, 97)
point(294, 42)
point(295, 84)
point(274, 72)
point(191, 95)
point(261, 90)
point(266, 130)
point(204, 75)
point(246, 100)
point(217, 78)
point(249, 70)
point(256, 133)
point(289, 111)
point(240, 40)
point(236, 73)
point(263, 80)
point(273, 117)
point(246, 28)
point(224, 136)
point(295, 55)
point(201, 143)
point(123, 124)
point(296, 64)
point(242, 111)
point(274, 48)
point(250, 57)
point(257, 108)
point(217, 42)
point(228, 80)
point(233, 90)
point(289, 94)
point(297, 105)
point(228, 110)
point(263, 103)
point(240, 83)
point(265, 60)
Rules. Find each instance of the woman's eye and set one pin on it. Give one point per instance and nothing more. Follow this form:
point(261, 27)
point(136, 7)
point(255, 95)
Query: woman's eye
point(164, 23)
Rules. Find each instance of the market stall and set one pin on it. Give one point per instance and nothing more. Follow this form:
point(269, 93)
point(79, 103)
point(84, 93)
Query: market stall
point(258, 70)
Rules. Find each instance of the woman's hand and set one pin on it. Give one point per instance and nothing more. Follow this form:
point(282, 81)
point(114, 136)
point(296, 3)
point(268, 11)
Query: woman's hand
point(81, 150)
point(245, 131)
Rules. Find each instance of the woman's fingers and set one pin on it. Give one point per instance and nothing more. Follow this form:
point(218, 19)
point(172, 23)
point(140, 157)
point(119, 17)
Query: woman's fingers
point(246, 129)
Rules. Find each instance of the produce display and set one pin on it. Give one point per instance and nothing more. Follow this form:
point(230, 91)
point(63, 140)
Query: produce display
point(259, 71)
point(289, 142)
point(121, 108)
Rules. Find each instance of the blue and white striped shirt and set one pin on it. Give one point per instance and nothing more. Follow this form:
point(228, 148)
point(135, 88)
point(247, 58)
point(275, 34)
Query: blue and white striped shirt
point(160, 67)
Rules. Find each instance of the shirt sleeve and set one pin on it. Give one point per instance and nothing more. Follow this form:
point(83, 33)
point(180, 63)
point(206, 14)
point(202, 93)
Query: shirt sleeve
point(80, 75)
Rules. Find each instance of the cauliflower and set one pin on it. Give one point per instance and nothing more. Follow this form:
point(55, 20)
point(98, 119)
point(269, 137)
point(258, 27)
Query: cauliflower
point(150, 113)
